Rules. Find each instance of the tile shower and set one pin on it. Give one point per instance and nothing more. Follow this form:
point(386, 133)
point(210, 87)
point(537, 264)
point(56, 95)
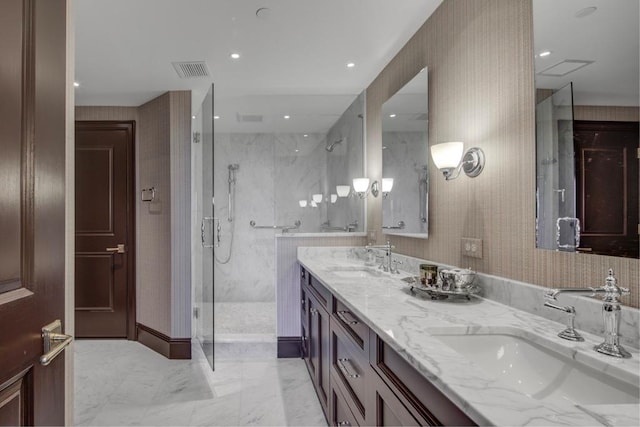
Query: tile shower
point(275, 172)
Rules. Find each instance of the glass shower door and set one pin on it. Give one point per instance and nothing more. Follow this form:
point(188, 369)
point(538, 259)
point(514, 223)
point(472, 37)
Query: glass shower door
point(204, 269)
point(557, 225)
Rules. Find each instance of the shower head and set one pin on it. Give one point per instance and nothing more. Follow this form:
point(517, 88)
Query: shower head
point(329, 148)
point(234, 167)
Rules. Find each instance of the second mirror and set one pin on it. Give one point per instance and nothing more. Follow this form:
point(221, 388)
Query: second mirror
point(405, 154)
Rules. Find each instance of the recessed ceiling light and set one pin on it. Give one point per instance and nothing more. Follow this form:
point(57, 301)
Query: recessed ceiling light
point(544, 53)
point(305, 135)
point(585, 12)
point(297, 150)
point(76, 84)
point(287, 117)
point(193, 117)
point(216, 117)
point(235, 55)
point(351, 65)
point(392, 115)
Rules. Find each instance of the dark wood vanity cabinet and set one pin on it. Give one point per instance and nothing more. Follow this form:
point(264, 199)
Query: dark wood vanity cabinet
point(315, 337)
point(360, 380)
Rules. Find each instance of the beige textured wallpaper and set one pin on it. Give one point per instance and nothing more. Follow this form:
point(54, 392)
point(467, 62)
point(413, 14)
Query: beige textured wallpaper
point(480, 62)
point(163, 160)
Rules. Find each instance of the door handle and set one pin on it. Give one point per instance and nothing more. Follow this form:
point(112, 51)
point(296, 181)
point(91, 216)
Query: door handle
point(54, 342)
point(120, 249)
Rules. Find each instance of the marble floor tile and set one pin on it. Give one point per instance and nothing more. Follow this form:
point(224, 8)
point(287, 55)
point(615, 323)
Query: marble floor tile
point(123, 383)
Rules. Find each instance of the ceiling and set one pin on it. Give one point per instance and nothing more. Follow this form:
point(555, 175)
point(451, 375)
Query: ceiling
point(608, 40)
point(292, 61)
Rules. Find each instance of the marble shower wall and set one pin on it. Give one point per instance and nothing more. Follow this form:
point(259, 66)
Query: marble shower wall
point(248, 275)
point(300, 165)
point(404, 159)
point(346, 162)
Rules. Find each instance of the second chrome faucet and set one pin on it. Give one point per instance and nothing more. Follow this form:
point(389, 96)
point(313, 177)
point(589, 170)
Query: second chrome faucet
point(611, 294)
point(391, 265)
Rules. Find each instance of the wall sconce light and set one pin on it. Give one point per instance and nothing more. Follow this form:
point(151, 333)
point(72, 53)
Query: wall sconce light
point(314, 204)
point(361, 187)
point(343, 190)
point(303, 203)
point(449, 159)
point(387, 185)
point(317, 198)
point(334, 198)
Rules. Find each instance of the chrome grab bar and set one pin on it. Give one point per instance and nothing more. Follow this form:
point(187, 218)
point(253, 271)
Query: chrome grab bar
point(284, 228)
point(400, 226)
point(348, 228)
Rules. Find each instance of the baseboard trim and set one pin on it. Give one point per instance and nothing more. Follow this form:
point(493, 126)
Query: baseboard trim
point(171, 348)
point(289, 347)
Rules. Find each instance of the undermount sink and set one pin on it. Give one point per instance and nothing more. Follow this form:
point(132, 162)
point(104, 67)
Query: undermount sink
point(537, 371)
point(355, 272)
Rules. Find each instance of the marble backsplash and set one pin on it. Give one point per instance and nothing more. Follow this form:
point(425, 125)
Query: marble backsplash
point(530, 298)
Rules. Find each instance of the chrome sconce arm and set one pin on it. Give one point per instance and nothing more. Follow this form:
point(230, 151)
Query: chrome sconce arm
point(450, 161)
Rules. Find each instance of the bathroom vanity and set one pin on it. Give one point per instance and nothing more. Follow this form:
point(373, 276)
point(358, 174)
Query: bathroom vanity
point(379, 356)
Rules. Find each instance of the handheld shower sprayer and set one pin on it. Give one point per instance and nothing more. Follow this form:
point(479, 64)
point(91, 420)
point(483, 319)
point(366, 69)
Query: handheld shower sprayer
point(232, 181)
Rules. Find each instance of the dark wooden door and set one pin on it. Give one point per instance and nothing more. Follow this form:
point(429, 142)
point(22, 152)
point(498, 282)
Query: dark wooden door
point(32, 207)
point(104, 225)
point(607, 187)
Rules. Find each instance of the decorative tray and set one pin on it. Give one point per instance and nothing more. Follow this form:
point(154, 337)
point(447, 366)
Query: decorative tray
point(437, 293)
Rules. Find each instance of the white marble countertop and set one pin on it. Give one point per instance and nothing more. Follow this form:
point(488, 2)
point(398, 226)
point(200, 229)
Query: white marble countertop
point(403, 321)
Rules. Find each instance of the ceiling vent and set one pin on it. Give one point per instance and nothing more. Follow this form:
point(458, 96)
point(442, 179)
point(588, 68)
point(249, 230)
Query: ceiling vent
point(565, 67)
point(191, 69)
point(248, 118)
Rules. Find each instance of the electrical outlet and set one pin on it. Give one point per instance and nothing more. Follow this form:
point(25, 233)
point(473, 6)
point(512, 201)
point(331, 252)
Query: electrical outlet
point(471, 247)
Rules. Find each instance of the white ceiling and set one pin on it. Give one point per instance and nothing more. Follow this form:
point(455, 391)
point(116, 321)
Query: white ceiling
point(610, 38)
point(292, 63)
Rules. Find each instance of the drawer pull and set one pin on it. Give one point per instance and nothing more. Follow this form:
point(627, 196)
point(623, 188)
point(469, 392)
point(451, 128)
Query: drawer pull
point(343, 368)
point(342, 314)
point(344, 423)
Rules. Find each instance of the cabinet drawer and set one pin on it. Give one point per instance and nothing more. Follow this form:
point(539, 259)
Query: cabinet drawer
point(357, 330)
point(341, 415)
point(351, 366)
point(416, 392)
point(322, 293)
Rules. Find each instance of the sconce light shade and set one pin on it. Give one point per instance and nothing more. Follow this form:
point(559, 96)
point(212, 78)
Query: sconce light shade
point(449, 159)
point(334, 198)
point(317, 198)
point(447, 154)
point(314, 204)
point(343, 190)
point(303, 203)
point(360, 185)
point(387, 185)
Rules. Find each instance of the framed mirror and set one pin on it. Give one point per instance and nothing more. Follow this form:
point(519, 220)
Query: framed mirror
point(405, 155)
point(587, 112)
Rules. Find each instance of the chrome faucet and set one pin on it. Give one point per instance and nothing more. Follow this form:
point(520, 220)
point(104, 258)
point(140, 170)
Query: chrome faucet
point(387, 247)
point(610, 312)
